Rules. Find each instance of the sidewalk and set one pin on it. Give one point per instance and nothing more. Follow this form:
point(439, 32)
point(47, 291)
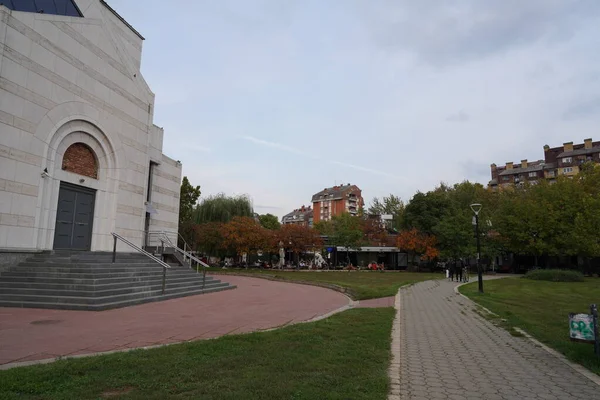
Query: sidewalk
point(448, 351)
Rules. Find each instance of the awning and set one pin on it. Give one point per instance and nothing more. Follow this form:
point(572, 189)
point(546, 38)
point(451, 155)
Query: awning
point(366, 249)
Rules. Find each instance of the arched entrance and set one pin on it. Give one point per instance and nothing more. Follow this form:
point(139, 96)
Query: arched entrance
point(75, 209)
point(78, 198)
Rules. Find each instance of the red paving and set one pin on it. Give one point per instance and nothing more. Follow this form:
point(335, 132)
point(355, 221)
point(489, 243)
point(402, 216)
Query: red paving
point(375, 303)
point(28, 334)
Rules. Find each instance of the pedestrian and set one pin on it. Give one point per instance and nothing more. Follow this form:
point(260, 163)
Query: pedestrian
point(459, 271)
point(452, 268)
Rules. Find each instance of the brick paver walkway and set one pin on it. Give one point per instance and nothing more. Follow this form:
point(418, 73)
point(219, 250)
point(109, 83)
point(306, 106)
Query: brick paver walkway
point(447, 351)
point(257, 304)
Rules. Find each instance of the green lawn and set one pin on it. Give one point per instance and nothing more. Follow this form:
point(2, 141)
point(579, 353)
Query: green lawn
point(345, 356)
point(542, 309)
point(361, 285)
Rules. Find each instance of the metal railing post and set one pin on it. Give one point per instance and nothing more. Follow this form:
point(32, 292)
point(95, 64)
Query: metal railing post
point(114, 250)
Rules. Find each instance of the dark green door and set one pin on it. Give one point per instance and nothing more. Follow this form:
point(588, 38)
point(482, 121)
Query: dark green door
point(74, 217)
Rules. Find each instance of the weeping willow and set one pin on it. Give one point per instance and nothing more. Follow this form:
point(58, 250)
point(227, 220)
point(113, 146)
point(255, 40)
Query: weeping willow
point(221, 208)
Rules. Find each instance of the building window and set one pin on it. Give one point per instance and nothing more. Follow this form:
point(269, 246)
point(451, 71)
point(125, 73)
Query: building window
point(567, 170)
point(550, 174)
point(505, 178)
point(80, 159)
point(567, 160)
point(532, 174)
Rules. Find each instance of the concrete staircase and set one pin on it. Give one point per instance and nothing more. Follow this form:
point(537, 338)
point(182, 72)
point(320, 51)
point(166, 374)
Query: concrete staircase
point(90, 281)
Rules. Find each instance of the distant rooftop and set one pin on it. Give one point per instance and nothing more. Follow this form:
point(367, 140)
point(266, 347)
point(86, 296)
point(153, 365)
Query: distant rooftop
point(334, 193)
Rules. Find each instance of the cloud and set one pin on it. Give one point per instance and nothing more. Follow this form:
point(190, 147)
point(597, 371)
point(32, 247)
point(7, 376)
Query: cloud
point(304, 154)
point(268, 207)
point(452, 32)
point(365, 169)
point(275, 145)
point(195, 147)
point(583, 109)
point(460, 116)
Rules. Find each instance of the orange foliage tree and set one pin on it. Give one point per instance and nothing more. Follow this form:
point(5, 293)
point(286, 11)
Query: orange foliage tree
point(374, 231)
point(208, 238)
point(418, 243)
point(298, 238)
point(246, 235)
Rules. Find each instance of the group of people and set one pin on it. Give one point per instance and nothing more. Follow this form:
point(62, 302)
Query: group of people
point(457, 269)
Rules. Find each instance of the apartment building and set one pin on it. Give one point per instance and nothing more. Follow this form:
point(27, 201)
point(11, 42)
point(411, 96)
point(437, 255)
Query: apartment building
point(563, 160)
point(302, 216)
point(336, 200)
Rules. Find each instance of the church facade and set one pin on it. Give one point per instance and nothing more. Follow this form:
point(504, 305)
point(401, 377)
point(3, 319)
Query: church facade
point(80, 157)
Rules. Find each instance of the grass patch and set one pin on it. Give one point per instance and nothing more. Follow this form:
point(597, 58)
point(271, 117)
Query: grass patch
point(554, 275)
point(541, 309)
point(361, 285)
point(345, 356)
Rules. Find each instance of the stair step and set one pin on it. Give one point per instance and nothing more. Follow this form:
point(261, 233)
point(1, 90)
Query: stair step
point(63, 299)
point(90, 281)
point(111, 305)
point(94, 292)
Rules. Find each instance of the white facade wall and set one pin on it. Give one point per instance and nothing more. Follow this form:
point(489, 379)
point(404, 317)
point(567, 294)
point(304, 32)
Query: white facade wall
point(65, 80)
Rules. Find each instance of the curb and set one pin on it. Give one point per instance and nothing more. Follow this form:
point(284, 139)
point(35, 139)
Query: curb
point(394, 368)
point(576, 367)
point(349, 293)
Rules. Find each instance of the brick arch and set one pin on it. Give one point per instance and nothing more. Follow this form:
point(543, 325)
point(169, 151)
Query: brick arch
point(80, 159)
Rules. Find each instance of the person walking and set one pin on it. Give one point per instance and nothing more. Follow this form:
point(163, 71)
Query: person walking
point(452, 268)
point(459, 270)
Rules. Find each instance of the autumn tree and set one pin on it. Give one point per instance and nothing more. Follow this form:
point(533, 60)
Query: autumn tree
point(209, 240)
point(246, 235)
point(374, 231)
point(417, 244)
point(298, 238)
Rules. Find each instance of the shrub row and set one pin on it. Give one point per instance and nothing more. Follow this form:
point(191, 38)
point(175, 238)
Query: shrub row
point(555, 275)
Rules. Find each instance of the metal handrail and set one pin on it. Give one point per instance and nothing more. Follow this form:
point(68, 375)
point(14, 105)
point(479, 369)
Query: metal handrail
point(190, 256)
point(142, 251)
point(186, 246)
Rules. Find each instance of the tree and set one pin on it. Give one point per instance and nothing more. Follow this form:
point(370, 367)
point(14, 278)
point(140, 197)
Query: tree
point(298, 238)
point(246, 235)
point(209, 240)
point(269, 221)
point(391, 205)
point(221, 208)
point(188, 199)
point(374, 231)
point(346, 231)
point(454, 230)
point(417, 244)
point(425, 210)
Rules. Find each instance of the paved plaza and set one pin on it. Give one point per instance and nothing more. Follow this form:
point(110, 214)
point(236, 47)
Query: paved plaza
point(447, 351)
point(256, 304)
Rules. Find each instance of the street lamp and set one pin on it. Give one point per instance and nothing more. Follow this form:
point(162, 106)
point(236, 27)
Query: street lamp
point(476, 207)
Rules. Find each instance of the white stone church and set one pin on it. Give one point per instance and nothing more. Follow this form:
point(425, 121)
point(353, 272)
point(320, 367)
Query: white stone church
point(80, 156)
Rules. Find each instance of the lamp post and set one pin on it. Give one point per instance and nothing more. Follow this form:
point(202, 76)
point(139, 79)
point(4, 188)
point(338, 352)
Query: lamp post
point(476, 207)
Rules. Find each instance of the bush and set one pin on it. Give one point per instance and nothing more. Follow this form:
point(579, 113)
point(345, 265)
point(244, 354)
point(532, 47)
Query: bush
point(555, 275)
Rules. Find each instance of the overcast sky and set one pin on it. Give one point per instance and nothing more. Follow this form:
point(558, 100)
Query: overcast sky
point(279, 99)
